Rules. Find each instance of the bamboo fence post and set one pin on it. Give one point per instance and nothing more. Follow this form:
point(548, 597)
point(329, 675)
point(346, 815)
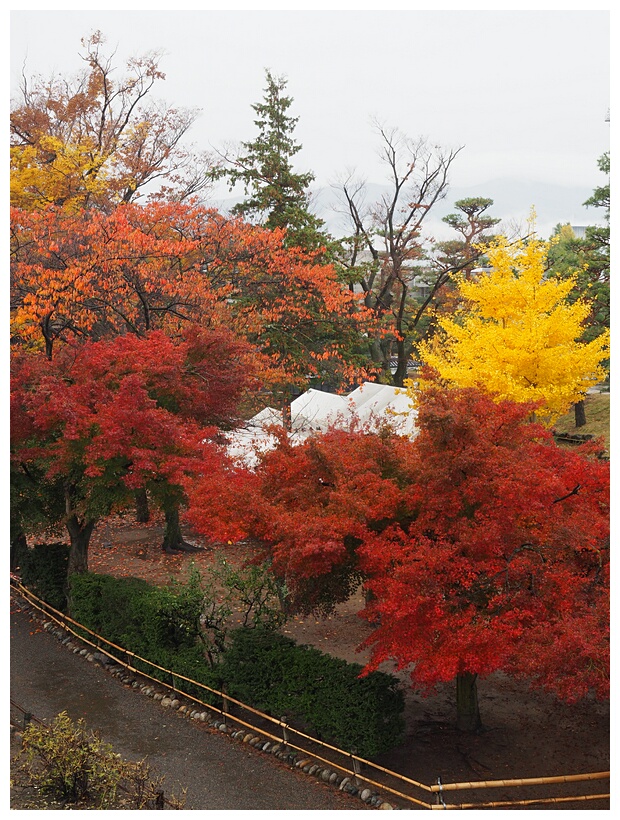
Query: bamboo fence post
point(284, 730)
point(225, 705)
point(356, 767)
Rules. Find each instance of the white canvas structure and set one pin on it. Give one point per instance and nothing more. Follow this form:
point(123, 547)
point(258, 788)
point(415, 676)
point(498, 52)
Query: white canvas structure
point(314, 412)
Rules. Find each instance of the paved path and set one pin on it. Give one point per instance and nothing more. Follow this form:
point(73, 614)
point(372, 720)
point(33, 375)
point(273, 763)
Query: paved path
point(218, 772)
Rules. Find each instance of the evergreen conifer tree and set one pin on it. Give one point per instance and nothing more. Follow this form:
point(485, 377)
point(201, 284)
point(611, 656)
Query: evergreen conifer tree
point(276, 196)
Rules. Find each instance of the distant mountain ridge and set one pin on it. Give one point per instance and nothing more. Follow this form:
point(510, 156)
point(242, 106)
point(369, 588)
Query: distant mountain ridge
point(513, 200)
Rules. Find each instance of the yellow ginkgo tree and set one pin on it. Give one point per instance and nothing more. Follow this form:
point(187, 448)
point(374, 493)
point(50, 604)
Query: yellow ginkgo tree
point(516, 335)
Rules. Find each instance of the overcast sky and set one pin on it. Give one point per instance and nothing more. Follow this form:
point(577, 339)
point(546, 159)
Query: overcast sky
point(525, 92)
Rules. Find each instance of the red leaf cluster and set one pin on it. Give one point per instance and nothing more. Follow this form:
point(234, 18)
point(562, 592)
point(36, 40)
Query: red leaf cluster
point(116, 415)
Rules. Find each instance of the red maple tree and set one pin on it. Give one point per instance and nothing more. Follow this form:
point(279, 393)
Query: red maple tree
point(106, 418)
point(483, 545)
point(505, 563)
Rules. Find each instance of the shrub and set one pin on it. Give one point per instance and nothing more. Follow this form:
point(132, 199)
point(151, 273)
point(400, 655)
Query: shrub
point(160, 624)
point(73, 764)
point(44, 571)
point(107, 605)
point(259, 667)
point(273, 673)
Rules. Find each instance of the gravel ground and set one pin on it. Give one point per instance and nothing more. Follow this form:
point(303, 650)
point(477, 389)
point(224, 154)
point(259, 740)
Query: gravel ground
point(217, 772)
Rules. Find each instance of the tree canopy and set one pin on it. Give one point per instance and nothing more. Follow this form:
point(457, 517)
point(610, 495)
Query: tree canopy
point(158, 266)
point(105, 418)
point(517, 335)
point(484, 546)
point(276, 195)
point(95, 139)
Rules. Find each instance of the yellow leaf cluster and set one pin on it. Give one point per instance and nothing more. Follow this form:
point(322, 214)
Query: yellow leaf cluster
point(55, 172)
point(515, 334)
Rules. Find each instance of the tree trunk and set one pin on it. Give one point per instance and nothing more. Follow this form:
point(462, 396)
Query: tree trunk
point(173, 537)
point(142, 506)
point(401, 369)
point(18, 549)
point(467, 710)
point(79, 535)
point(580, 413)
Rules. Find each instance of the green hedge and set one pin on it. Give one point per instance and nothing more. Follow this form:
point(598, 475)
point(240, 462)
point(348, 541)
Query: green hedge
point(280, 677)
point(260, 667)
point(150, 621)
point(43, 569)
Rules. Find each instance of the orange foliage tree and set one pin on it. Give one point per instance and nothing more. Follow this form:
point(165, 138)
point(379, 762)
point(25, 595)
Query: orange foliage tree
point(92, 274)
point(95, 139)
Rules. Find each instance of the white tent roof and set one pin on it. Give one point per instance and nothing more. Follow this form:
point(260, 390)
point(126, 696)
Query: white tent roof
point(380, 403)
point(315, 411)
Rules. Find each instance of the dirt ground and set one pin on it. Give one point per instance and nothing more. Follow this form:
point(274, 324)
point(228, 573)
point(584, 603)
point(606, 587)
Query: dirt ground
point(527, 734)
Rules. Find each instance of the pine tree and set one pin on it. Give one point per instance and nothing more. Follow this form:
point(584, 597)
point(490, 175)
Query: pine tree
point(276, 196)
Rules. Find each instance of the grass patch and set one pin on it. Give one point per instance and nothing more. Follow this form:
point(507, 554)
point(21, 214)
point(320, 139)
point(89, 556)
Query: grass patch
point(597, 424)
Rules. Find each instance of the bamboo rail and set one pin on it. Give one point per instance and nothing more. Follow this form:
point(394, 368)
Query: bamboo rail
point(529, 781)
point(437, 789)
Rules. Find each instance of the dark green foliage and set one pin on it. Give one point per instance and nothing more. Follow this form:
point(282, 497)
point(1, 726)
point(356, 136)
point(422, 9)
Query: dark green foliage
point(160, 624)
point(107, 605)
point(276, 196)
point(43, 570)
point(325, 694)
point(135, 614)
point(259, 666)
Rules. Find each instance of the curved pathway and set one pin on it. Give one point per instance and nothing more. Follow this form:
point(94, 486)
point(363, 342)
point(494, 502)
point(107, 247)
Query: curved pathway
point(217, 772)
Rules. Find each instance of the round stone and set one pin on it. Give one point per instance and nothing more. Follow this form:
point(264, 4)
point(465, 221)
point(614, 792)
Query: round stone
point(365, 795)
